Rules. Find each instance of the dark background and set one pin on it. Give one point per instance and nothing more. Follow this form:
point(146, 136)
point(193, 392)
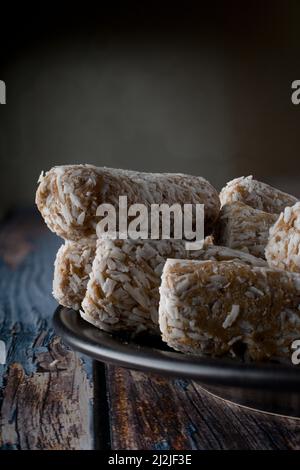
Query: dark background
point(179, 87)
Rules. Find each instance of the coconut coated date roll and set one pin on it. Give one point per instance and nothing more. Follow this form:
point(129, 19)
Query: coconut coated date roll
point(256, 194)
point(68, 196)
point(72, 267)
point(219, 308)
point(242, 227)
point(283, 248)
point(123, 290)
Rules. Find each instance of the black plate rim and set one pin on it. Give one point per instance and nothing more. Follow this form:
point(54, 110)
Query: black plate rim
point(71, 327)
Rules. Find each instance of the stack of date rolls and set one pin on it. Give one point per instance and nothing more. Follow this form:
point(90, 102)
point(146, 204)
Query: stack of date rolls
point(238, 296)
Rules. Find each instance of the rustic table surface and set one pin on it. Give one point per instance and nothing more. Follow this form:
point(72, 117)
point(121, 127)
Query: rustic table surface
point(53, 398)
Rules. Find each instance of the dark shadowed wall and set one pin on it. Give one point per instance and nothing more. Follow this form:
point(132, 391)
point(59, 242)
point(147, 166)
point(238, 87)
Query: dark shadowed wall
point(198, 90)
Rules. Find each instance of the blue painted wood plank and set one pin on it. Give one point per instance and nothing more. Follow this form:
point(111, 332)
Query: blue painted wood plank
point(37, 364)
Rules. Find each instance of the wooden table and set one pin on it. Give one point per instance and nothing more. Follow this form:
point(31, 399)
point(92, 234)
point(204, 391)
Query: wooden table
point(53, 398)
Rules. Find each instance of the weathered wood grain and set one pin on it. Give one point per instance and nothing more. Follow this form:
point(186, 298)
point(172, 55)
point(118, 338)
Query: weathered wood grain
point(46, 389)
point(48, 409)
point(152, 412)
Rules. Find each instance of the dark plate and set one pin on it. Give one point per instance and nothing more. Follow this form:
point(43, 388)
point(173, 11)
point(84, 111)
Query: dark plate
point(267, 387)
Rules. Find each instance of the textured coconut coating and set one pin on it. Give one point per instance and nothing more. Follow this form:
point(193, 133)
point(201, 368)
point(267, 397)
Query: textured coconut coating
point(256, 194)
point(242, 227)
point(123, 290)
point(68, 196)
point(283, 248)
point(72, 267)
point(219, 308)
